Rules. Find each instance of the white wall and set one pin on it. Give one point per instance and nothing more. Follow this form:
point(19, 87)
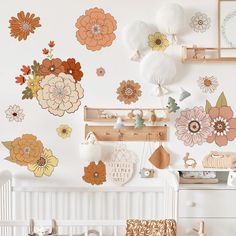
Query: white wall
point(58, 23)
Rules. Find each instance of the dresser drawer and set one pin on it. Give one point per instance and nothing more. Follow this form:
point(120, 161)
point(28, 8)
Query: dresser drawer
point(207, 203)
point(213, 227)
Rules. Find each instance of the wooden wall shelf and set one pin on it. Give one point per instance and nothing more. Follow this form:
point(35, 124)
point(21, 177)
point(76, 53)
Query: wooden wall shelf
point(147, 133)
point(98, 114)
point(206, 55)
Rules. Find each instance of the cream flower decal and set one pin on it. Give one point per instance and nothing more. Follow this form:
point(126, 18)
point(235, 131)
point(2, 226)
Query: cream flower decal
point(15, 113)
point(60, 94)
point(45, 164)
point(158, 41)
point(208, 84)
point(193, 126)
point(200, 22)
point(64, 131)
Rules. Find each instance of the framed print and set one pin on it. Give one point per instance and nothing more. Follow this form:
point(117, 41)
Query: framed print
point(227, 28)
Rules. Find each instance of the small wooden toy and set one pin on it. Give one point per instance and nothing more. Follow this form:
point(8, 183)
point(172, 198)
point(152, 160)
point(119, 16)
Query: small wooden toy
point(201, 229)
point(172, 105)
point(189, 162)
point(153, 117)
point(139, 122)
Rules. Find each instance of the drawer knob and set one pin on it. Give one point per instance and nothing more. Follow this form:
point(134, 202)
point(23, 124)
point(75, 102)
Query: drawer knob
point(191, 204)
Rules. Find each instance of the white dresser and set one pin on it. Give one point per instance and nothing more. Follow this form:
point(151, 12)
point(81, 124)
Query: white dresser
point(215, 204)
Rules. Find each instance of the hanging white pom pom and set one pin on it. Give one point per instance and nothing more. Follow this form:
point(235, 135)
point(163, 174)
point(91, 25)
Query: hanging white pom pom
point(136, 38)
point(170, 19)
point(158, 69)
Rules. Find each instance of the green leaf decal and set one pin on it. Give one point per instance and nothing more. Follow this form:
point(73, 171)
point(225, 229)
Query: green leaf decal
point(9, 159)
point(35, 68)
point(27, 93)
point(221, 102)
point(208, 106)
point(7, 144)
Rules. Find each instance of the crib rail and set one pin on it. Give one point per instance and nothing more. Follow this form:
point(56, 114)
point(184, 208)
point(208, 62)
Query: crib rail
point(5, 199)
point(96, 203)
point(69, 228)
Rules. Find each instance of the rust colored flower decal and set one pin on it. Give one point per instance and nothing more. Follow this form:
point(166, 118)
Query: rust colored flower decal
point(24, 24)
point(129, 91)
point(100, 71)
point(96, 29)
point(222, 122)
point(95, 174)
point(73, 68)
point(28, 151)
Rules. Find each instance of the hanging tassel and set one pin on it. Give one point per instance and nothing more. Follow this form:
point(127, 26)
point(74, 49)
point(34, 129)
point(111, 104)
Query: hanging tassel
point(160, 91)
point(136, 57)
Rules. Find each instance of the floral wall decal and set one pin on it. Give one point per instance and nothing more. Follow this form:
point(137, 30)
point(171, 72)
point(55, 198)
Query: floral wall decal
point(100, 71)
point(129, 91)
point(193, 126)
point(22, 25)
point(222, 122)
point(15, 113)
point(28, 151)
point(64, 131)
point(208, 84)
point(53, 82)
point(96, 29)
point(95, 174)
point(158, 41)
point(200, 22)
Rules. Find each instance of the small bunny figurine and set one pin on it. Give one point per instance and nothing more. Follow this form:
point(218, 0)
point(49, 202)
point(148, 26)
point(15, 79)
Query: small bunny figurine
point(201, 229)
point(42, 231)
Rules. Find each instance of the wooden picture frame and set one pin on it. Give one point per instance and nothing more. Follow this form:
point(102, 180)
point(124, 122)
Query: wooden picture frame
point(226, 38)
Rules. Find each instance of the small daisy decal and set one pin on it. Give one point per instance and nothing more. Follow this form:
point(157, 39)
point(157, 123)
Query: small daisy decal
point(100, 72)
point(15, 113)
point(208, 84)
point(64, 131)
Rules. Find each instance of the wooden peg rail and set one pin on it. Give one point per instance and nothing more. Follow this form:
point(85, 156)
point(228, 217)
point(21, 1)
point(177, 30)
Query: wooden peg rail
point(147, 133)
point(111, 114)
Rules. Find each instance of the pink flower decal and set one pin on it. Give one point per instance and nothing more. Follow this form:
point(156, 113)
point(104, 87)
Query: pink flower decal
point(224, 125)
point(222, 122)
point(193, 126)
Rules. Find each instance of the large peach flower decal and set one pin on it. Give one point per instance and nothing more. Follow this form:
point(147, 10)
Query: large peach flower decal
point(28, 151)
point(96, 29)
point(193, 126)
point(222, 122)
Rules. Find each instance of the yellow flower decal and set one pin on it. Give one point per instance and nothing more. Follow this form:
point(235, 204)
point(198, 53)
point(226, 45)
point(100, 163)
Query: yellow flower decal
point(45, 165)
point(64, 131)
point(158, 41)
point(34, 84)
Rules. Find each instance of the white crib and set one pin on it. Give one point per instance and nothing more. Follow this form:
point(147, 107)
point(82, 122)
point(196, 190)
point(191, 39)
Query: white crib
point(77, 210)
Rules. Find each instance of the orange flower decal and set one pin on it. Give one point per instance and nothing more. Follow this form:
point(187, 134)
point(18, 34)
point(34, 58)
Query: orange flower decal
point(49, 67)
point(26, 150)
point(22, 25)
point(95, 174)
point(96, 29)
